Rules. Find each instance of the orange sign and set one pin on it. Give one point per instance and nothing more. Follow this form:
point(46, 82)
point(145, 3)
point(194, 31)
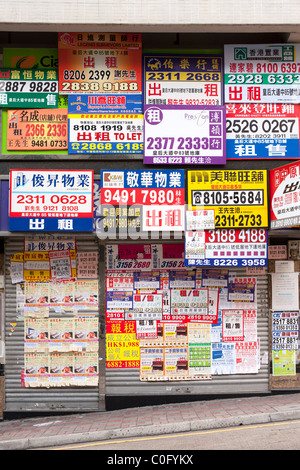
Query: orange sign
point(37, 129)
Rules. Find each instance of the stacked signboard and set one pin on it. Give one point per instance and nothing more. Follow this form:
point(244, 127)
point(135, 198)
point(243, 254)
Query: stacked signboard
point(177, 311)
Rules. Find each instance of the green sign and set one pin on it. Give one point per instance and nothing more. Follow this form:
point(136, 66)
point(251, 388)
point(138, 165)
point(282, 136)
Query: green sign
point(28, 88)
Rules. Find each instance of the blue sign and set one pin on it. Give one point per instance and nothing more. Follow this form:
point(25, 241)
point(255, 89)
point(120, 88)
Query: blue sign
point(107, 104)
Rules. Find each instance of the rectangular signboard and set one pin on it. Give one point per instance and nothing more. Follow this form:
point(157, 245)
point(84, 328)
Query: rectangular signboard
point(106, 103)
point(262, 73)
point(100, 63)
point(268, 131)
point(285, 196)
point(28, 88)
point(55, 200)
point(105, 133)
point(183, 79)
point(158, 195)
point(231, 247)
point(38, 130)
point(177, 135)
point(238, 197)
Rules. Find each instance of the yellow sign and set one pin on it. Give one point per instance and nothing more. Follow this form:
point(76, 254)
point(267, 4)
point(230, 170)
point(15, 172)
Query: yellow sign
point(238, 197)
point(122, 351)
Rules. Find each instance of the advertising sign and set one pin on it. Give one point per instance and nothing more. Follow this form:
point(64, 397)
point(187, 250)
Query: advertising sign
point(100, 63)
point(230, 247)
point(30, 57)
point(105, 133)
point(179, 135)
point(261, 73)
point(265, 131)
point(182, 79)
point(157, 194)
point(37, 130)
point(27, 88)
point(106, 103)
point(55, 200)
point(285, 196)
point(238, 197)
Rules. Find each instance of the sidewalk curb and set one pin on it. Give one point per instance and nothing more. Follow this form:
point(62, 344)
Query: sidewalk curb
point(170, 428)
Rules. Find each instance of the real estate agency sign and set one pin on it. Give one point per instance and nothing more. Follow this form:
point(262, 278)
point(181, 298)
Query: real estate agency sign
point(285, 196)
point(55, 200)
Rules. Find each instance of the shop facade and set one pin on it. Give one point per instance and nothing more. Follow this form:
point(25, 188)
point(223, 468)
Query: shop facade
point(162, 287)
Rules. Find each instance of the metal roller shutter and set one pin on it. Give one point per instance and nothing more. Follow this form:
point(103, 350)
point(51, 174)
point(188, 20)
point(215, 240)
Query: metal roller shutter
point(125, 382)
point(18, 399)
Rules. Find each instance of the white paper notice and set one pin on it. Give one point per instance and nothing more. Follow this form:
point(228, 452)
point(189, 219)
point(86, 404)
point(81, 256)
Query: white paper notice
point(285, 291)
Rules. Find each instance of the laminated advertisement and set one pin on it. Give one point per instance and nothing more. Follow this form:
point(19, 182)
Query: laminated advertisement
point(285, 330)
point(61, 334)
point(262, 131)
point(142, 200)
point(28, 88)
point(285, 196)
point(106, 103)
point(146, 329)
point(100, 62)
point(36, 335)
point(238, 197)
point(232, 247)
point(198, 135)
point(56, 200)
point(179, 79)
point(262, 73)
point(38, 130)
point(105, 133)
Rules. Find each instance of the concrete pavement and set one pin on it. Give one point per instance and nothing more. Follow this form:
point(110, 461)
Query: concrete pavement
point(29, 433)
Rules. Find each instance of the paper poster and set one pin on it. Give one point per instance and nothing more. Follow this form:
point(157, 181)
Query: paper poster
point(232, 325)
point(60, 265)
point(176, 363)
point(86, 369)
point(36, 370)
point(189, 301)
point(87, 265)
point(122, 351)
point(283, 362)
point(152, 364)
point(36, 266)
point(86, 293)
point(223, 358)
point(61, 334)
point(199, 358)
point(285, 291)
point(247, 357)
